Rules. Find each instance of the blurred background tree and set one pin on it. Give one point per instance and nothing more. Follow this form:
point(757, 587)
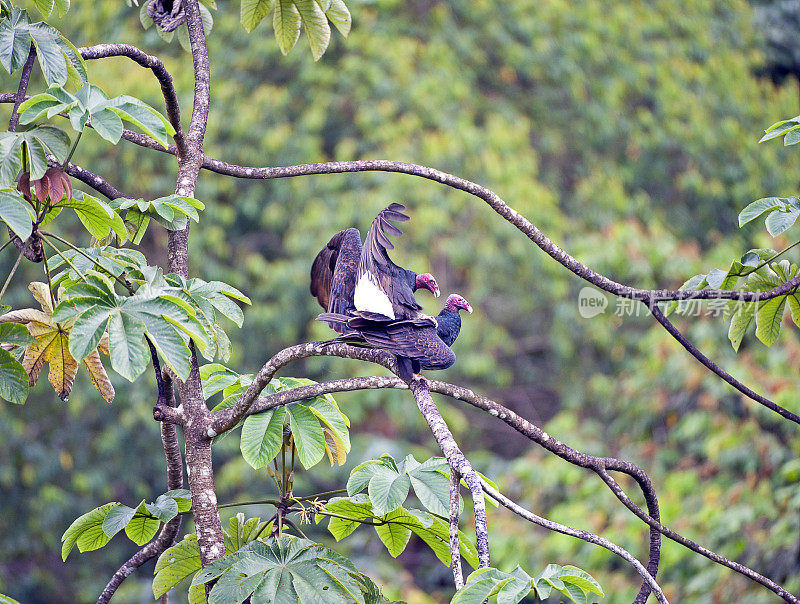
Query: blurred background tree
point(627, 132)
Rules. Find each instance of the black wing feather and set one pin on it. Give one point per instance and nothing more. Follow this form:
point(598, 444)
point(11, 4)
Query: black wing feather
point(396, 282)
point(333, 273)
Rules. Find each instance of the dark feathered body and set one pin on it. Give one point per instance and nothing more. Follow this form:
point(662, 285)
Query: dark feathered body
point(448, 326)
point(347, 276)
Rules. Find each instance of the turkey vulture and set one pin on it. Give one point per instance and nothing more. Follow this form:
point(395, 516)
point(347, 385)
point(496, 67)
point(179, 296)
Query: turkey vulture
point(420, 343)
point(346, 276)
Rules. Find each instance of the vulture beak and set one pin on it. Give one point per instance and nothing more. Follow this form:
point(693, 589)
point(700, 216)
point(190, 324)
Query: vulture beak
point(468, 308)
point(436, 292)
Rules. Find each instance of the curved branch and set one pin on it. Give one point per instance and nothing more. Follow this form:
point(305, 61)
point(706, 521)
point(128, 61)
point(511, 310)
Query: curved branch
point(600, 465)
point(719, 371)
point(225, 419)
point(580, 534)
point(151, 62)
point(98, 183)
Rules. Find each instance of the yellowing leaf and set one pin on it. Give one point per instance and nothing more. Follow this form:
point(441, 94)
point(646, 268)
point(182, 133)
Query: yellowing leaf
point(51, 346)
point(334, 447)
point(99, 376)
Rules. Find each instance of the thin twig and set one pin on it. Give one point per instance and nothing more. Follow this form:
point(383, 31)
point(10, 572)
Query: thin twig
point(63, 257)
point(580, 534)
point(14, 269)
point(719, 371)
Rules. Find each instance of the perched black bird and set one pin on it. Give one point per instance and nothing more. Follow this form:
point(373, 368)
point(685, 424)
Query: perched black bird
point(346, 276)
point(420, 343)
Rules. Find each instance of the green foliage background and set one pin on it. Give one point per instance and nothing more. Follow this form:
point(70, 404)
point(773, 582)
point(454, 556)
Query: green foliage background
point(627, 132)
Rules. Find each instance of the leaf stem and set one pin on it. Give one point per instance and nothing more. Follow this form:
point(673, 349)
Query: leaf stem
point(14, 268)
point(770, 259)
point(259, 502)
point(2, 247)
point(119, 279)
point(321, 495)
point(67, 260)
point(72, 150)
point(49, 279)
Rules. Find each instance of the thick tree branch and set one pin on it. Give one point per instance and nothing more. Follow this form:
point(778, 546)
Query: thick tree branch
point(98, 183)
point(155, 64)
point(169, 532)
point(719, 371)
point(458, 463)
point(580, 534)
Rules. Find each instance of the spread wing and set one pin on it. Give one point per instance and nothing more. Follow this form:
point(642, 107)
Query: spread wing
point(333, 273)
point(381, 286)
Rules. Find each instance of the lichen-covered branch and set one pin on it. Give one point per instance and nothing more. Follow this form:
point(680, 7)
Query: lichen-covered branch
point(458, 463)
point(455, 549)
point(151, 62)
point(225, 419)
point(580, 534)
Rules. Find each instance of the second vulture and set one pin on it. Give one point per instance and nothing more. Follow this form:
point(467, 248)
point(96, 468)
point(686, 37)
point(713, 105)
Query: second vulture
point(347, 276)
point(420, 343)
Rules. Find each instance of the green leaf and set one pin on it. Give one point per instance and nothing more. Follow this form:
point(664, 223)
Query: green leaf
point(740, 321)
point(142, 527)
point(288, 570)
point(143, 116)
point(175, 564)
point(307, 434)
point(16, 213)
point(15, 40)
point(316, 25)
point(164, 508)
point(45, 7)
point(96, 215)
point(757, 208)
point(779, 220)
point(129, 354)
point(587, 584)
point(768, 319)
point(286, 24)
point(51, 58)
point(117, 519)
point(13, 379)
point(394, 535)
point(107, 124)
point(387, 490)
point(341, 527)
point(86, 531)
point(88, 330)
point(262, 437)
point(254, 11)
point(339, 15)
point(432, 488)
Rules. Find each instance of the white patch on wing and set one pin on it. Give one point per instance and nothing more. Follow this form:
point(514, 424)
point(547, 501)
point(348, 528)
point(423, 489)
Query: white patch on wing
point(368, 296)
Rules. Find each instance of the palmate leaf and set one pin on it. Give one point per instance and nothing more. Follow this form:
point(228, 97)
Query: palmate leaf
point(86, 531)
point(434, 531)
point(288, 570)
point(106, 115)
point(96, 215)
point(510, 588)
point(262, 437)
